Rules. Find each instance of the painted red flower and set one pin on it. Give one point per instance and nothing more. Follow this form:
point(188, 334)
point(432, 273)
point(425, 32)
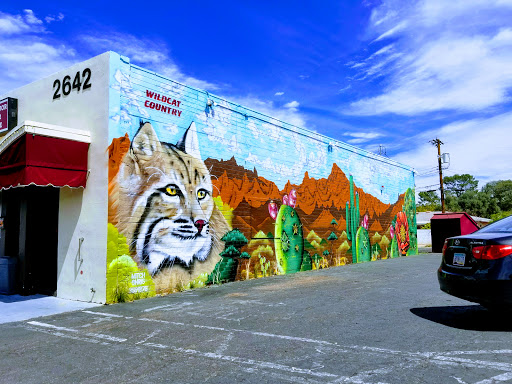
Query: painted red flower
point(402, 233)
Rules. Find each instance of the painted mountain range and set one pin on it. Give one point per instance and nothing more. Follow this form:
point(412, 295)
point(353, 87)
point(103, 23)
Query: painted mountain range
point(319, 200)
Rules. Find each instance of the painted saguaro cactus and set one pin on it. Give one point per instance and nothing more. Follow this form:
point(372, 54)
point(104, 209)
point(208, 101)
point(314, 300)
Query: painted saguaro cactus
point(289, 239)
point(409, 209)
point(352, 218)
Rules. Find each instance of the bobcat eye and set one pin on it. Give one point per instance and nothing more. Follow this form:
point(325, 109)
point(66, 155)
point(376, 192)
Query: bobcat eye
point(171, 190)
point(201, 194)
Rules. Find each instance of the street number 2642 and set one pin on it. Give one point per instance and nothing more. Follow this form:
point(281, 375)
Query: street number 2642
point(79, 82)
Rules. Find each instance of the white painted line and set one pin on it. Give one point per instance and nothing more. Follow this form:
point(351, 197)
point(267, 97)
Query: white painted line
point(161, 346)
point(102, 314)
point(434, 357)
point(170, 307)
point(291, 338)
point(503, 377)
point(96, 335)
point(239, 360)
point(107, 337)
point(476, 363)
point(280, 377)
point(482, 352)
point(224, 345)
point(66, 336)
point(152, 334)
point(45, 325)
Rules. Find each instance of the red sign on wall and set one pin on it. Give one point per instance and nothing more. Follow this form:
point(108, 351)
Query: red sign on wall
point(4, 106)
point(8, 114)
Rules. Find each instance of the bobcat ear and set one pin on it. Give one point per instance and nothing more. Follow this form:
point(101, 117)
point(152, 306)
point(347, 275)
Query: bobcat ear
point(189, 143)
point(145, 143)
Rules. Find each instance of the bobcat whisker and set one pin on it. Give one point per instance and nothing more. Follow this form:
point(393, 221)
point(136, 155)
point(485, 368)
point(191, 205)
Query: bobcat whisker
point(153, 174)
point(158, 169)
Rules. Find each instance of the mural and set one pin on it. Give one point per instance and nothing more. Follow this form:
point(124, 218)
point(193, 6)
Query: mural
point(188, 207)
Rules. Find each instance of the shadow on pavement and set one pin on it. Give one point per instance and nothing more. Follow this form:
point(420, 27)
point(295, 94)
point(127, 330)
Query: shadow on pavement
point(468, 317)
point(18, 298)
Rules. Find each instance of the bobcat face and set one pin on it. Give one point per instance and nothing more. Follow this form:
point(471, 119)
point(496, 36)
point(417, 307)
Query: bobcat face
point(167, 191)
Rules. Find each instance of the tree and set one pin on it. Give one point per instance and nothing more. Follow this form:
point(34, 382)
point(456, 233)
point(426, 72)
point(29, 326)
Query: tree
point(429, 201)
point(332, 237)
point(478, 204)
point(226, 268)
point(501, 190)
point(458, 184)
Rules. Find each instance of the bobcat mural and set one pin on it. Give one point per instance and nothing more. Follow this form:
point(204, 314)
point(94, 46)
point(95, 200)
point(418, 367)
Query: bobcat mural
point(165, 208)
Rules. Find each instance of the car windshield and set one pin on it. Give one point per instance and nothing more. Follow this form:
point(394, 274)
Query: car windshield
point(503, 225)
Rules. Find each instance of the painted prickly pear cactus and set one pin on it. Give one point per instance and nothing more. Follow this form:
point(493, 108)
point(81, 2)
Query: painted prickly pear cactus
point(289, 239)
point(352, 218)
point(363, 247)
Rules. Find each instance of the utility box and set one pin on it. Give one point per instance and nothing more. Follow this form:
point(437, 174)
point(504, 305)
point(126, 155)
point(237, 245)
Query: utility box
point(7, 275)
point(444, 225)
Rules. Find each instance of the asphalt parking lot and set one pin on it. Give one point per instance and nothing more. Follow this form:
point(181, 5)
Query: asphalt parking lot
point(379, 322)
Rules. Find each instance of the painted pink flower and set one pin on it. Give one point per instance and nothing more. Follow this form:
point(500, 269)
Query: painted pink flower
point(272, 209)
point(365, 222)
point(292, 198)
point(286, 200)
point(392, 231)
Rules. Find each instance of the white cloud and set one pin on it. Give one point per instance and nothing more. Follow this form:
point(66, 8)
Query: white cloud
point(289, 115)
point(51, 19)
point(14, 24)
point(292, 105)
point(151, 54)
point(361, 137)
point(479, 147)
point(35, 53)
point(279, 94)
point(31, 18)
point(452, 55)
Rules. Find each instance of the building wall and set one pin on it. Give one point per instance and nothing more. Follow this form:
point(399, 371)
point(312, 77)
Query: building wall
point(82, 212)
point(203, 190)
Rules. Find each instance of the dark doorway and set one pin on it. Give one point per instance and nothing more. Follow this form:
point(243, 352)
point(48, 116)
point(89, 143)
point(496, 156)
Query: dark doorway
point(31, 234)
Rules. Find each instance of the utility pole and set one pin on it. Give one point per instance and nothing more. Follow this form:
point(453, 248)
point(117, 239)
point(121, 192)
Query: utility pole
point(438, 143)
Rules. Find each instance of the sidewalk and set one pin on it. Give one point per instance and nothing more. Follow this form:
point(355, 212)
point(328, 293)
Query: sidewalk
point(18, 308)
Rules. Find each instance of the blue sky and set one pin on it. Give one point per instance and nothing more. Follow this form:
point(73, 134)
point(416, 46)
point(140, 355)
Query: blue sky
point(371, 73)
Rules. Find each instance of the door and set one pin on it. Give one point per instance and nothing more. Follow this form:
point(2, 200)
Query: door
point(31, 234)
point(42, 235)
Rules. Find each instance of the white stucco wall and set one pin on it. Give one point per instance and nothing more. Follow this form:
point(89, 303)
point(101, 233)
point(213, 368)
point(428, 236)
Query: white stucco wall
point(82, 212)
point(424, 237)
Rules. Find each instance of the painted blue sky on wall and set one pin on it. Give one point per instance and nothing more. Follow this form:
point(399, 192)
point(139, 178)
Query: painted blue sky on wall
point(279, 151)
point(395, 73)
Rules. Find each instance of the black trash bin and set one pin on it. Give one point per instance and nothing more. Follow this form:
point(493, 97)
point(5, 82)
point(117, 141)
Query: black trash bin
point(7, 275)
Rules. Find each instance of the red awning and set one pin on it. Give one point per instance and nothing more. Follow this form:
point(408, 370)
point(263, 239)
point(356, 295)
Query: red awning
point(41, 160)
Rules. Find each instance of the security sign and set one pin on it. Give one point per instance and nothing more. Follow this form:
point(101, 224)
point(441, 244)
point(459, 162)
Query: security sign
point(8, 114)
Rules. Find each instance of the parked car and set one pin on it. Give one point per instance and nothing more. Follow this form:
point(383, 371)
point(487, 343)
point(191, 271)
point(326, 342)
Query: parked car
point(478, 267)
